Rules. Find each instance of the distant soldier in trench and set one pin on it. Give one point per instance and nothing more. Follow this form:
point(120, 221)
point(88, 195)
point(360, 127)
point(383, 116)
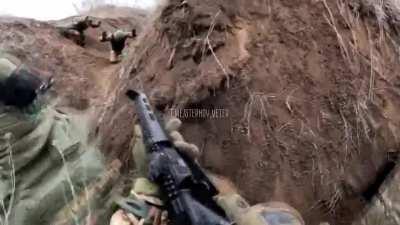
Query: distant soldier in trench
point(117, 41)
point(76, 29)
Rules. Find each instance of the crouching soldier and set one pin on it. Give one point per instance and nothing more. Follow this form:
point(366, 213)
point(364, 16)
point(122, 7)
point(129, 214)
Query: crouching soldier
point(117, 40)
point(45, 157)
point(75, 30)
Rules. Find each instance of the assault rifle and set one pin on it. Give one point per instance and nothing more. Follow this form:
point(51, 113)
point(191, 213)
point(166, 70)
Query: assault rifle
point(188, 191)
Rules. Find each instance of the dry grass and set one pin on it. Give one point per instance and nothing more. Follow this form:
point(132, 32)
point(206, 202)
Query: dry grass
point(372, 74)
point(348, 135)
point(336, 197)
point(353, 47)
point(288, 100)
point(385, 11)
point(260, 101)
point(367, 48)
point(332, 23)
point(7, 209)
point(209, 46)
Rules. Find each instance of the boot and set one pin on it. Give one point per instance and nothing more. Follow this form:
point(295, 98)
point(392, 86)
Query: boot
point(113, 57)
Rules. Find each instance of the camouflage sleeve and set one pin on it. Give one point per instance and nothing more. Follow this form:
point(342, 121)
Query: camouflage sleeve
point(51, 160)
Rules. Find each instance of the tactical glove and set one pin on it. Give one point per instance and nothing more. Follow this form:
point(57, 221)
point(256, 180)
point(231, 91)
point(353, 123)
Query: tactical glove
point(144, 191)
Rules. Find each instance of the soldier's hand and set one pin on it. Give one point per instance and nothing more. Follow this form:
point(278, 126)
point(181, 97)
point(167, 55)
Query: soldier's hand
point(172, 127)
point(139, 152)
point(122, 218)
point(143, 188)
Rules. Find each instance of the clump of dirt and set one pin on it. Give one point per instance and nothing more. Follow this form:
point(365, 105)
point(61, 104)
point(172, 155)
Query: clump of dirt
point(310, 88)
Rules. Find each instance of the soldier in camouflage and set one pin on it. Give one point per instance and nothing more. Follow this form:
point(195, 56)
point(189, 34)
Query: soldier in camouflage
point(117, 41)
point(75, 30)
point(45, 157)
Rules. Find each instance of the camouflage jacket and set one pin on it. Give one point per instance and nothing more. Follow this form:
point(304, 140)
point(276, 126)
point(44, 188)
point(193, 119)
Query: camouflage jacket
point(45, 162)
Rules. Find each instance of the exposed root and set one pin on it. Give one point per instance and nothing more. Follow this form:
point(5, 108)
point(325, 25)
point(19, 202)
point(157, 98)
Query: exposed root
point(283, 126)
point(256, 98)
point(287, 102)
point(304, 127)
point(208, 44)
point(350, 21)
point(334, 200)
point(317, 205)
point(347, 134)
point(361, 109)
point(372, 77)
point(170, 63)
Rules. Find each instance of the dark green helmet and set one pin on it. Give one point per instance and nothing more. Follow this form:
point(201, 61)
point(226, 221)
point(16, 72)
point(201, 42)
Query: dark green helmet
point(19, 86)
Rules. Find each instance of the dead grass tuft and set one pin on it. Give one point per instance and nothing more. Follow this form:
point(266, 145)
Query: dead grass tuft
point(336, 197)
point(260, 101)
point(209, 46)
point(332, 23)
point(6, 207)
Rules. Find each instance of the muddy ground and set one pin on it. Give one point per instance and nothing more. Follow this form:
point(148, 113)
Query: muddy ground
point(308, 89)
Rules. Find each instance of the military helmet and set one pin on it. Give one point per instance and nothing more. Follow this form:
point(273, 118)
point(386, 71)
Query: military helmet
point(19, 85)
point(119, 34)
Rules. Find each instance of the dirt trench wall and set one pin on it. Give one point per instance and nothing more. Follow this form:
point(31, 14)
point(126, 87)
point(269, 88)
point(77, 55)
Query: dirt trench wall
point(310, 89)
